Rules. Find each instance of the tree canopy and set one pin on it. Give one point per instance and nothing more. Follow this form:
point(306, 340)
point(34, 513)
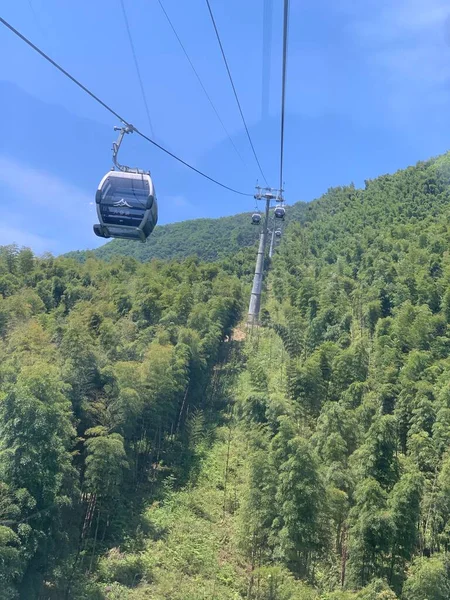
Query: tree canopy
point(144, 453)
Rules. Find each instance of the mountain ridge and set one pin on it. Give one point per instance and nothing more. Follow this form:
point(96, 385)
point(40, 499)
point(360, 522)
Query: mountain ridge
point(207, 238)
point(212, 239)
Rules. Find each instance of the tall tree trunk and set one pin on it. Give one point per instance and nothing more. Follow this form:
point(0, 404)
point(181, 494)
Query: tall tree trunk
point(344, 555)
point(95, 540)
point(182, 409)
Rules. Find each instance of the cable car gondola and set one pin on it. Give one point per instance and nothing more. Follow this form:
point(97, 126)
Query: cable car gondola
point(256, 219)
point(280, 212)
point(278, 233)
point(126, 201)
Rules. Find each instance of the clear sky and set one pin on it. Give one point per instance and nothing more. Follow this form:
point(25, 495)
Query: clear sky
point(368, 93)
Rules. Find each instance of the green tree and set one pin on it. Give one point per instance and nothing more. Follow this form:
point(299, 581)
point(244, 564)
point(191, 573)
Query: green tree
point(371, 531)
point(300, 524)
point(404, 507)
point(427, 578)
point(36, 438)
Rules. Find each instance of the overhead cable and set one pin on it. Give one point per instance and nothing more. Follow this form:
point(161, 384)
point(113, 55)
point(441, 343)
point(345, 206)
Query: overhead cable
point(199, 79)
point(113, 112)
point(33, 12)
point(267, 57)
point(136, 64)
point(283, 85)
point(234, 89)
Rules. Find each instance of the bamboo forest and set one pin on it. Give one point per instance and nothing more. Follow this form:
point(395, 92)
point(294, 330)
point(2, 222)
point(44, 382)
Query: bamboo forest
point(152, 446)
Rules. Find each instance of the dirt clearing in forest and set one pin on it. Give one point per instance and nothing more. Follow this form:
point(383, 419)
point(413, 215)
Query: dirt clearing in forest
point(238, 334)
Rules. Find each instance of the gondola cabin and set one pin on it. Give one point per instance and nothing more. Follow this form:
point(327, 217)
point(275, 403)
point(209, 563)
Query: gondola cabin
point(279, 212)
point(278, 233)
point(126, 206)
point(256, 219)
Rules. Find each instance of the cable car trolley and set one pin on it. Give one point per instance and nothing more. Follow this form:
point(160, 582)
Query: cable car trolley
point(126, 201)
point(280, 212)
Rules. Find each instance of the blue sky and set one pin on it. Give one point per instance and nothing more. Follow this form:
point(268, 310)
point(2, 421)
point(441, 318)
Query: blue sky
point(368, 93)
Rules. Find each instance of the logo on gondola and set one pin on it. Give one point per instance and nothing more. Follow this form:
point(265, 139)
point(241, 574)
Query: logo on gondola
point(122, 202)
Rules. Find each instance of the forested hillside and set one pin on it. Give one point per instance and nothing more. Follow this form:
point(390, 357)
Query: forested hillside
point(105, 371)
point(330, 476)
point(208, 239)
point(144, 454)
point(351, 426)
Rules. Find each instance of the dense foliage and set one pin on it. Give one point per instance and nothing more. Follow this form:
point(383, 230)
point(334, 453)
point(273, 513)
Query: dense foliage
point(102, 369)
point(143, 455)
point(337, 448)
point(351, 431)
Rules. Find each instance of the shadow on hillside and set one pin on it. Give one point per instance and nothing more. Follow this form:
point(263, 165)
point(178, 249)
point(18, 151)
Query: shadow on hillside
point(214, 412)
point(184, 453)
